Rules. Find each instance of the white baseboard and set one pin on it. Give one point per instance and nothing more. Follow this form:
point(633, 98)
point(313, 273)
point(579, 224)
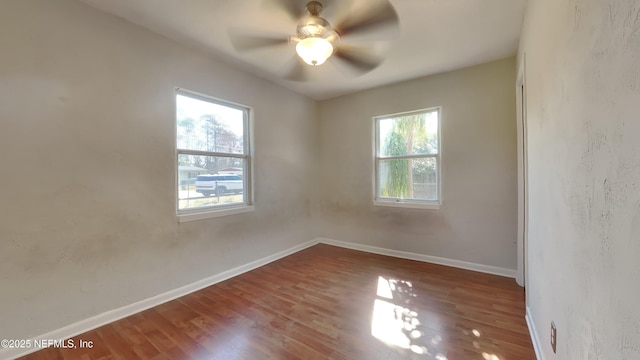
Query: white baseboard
point(421, 257)
point(110, 316)
point(534, 336)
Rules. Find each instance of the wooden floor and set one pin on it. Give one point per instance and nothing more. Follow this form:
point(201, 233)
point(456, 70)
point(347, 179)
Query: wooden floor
point(327, 303)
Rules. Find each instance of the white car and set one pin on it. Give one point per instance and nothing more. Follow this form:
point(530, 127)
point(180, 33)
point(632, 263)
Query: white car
point(208, 185)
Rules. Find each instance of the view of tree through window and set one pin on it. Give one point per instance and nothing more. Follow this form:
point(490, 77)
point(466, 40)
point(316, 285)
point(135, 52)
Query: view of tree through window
point(212, 152)
point(408, 156)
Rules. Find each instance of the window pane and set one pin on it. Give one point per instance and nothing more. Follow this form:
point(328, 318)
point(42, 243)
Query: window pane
point(409, 135)
point(394, 178)
point(203, 181)
point(207, 126)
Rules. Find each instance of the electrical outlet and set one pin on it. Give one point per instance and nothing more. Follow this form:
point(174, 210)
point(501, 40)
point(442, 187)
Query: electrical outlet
point(554, 337)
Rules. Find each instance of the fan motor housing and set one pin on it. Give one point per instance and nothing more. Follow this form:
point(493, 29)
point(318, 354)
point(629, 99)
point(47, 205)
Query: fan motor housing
point(315, 26)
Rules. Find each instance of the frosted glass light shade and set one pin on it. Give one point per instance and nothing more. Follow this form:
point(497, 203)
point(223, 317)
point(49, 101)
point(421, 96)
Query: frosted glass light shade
point(314, 50)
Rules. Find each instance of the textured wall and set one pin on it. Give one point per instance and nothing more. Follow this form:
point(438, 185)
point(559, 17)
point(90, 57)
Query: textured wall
point(87, 198)
point(583, 106)
point(477, 220)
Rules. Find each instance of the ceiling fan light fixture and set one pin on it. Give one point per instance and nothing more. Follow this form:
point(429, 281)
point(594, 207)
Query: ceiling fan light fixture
point(314, 50)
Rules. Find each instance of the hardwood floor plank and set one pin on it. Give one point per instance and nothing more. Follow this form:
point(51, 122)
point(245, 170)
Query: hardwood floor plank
point(327, 302)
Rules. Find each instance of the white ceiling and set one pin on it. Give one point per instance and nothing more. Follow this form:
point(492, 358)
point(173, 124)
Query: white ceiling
point(433, 36)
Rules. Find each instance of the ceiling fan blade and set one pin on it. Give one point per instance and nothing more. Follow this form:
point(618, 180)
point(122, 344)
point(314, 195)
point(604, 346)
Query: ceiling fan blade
point(294, 8)
point(245, 40)
point(297, 70)
point(359, 59)
point(368, 17)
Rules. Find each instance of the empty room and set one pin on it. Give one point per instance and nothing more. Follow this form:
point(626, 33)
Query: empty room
point(334, 179)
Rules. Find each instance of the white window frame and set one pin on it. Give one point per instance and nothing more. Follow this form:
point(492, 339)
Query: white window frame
point(401, 202)
point(186, 215)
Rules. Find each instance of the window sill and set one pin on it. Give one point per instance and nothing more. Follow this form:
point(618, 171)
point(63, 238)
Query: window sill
point(214, 213)
point(408, 205)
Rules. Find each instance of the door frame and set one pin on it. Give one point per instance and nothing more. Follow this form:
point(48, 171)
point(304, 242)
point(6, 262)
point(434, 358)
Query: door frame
point(523, 188)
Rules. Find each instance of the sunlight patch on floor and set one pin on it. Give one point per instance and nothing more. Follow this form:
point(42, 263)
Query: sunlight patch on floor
point(487, 356)
point(475, 333)
point(393, 321)
point(387, 326)
point(384, 288)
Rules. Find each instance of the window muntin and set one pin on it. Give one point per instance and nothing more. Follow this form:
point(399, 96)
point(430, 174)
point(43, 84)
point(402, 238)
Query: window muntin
point(212, 139)
point(407, 159)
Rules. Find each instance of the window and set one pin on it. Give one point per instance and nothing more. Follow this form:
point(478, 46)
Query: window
point(213, 157)
point(407, 159)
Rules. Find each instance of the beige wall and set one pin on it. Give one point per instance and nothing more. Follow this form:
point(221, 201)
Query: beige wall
point(87, 200)
point(583, 102)
point(477, 220)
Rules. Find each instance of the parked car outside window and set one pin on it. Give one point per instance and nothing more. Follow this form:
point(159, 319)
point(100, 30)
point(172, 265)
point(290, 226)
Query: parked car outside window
point(219, 185)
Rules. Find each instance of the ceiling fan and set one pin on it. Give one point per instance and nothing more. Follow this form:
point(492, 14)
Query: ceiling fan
point(317, 41)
